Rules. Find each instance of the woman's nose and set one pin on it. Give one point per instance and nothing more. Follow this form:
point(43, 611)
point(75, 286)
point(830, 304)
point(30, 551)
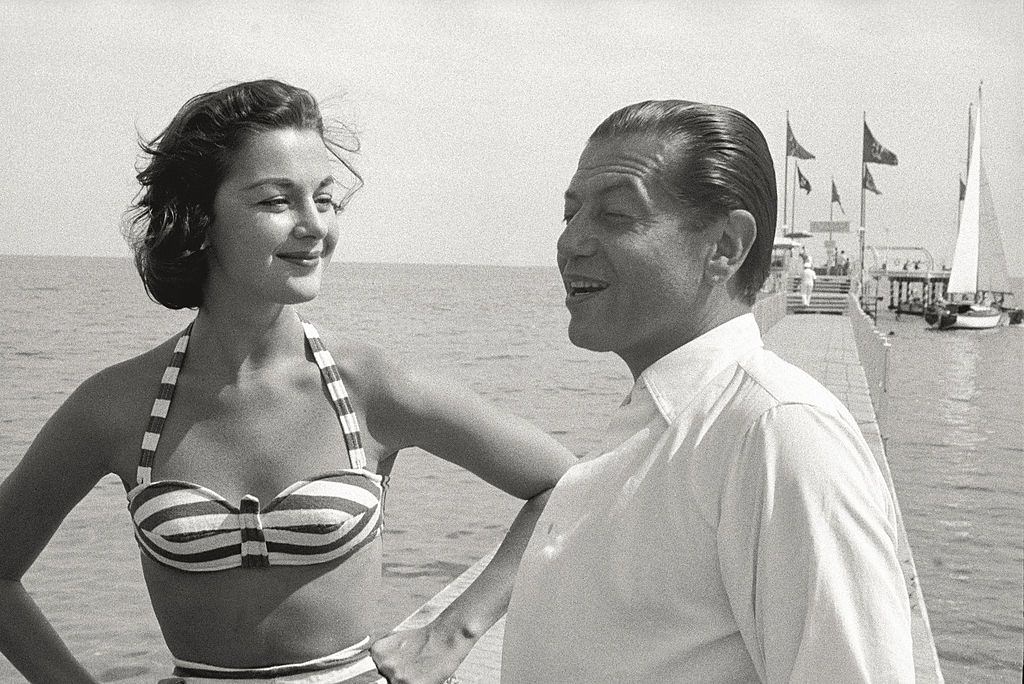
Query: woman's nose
point(312, 221)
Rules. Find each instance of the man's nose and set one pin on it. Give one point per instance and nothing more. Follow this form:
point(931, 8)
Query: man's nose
point(576, 239)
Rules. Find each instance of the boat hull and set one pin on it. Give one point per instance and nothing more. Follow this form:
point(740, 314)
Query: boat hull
point(965, 317)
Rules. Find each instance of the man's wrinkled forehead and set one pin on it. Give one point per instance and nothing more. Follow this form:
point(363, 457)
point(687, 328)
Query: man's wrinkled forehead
point(634, 162)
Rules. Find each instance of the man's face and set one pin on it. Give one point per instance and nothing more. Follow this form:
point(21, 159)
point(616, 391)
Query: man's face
point(632, 257)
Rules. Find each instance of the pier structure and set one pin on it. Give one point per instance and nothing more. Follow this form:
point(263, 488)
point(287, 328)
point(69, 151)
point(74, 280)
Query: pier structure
point(847, 355)
point(909, 291)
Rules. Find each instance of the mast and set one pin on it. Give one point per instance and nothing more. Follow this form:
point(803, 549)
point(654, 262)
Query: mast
point(963, 188)
point(963, 277)
point(977, 171)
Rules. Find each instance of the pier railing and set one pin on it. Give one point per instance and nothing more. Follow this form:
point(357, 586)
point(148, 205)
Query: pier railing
point(873, 348)
point(769, 310)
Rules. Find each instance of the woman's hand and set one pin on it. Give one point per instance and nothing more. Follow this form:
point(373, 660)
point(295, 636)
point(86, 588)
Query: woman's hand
point(420, 656)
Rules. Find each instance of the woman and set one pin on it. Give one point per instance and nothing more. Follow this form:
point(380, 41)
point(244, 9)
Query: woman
point(254, 461)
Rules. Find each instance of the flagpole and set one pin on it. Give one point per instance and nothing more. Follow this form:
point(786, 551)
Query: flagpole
point(785, 176)
point(792, 209)
point(861, 231)
point(831, 207)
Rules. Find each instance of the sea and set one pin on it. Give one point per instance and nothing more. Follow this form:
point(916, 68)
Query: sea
point(954, 434)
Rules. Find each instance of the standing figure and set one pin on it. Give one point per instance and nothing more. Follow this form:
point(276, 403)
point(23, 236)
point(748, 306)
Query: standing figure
point(733, 525)
point(807, 283)
point(254, 460)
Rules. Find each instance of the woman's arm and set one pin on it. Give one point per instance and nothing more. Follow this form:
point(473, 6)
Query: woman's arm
point(412, 408)
point(60, 467)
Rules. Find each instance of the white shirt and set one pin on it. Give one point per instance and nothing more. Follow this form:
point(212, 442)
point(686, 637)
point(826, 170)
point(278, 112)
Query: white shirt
point(734, 527)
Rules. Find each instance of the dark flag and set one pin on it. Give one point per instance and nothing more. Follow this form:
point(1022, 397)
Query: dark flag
point(805, 184)
point(874, 153)
point(835, 197)
point(963, 190)
point(869, 182)
point(793, 148)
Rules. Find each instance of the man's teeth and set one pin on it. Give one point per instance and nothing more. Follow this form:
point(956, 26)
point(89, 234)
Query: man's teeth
point(577, 287)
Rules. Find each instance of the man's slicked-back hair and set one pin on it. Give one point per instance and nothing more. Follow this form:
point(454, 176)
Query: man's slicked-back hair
point(170, 217)
point(717, 161)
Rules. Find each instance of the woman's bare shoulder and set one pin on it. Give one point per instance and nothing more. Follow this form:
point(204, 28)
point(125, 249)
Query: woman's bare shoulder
point(108, 403)
point(100, 425)
point(122, 380)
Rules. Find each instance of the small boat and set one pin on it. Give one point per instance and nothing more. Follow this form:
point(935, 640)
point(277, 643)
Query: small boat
point(962, 315)
point(978, 281)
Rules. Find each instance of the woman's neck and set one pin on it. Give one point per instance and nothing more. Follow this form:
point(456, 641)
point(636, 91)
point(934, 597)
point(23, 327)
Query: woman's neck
point(238, 341)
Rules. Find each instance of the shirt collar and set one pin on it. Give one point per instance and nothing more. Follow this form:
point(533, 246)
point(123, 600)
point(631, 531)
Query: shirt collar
point(677, 378)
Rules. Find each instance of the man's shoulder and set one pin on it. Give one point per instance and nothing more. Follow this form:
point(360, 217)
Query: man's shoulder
point(769, 382)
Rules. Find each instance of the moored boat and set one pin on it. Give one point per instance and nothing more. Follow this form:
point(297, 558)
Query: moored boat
point(978, 281)
point(962, 315)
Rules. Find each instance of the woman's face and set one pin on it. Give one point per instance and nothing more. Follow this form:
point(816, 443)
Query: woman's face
point(274, 224)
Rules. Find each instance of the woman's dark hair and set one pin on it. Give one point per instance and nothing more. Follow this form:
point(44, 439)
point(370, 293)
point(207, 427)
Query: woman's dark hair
point(718, 161)
point(187, 162)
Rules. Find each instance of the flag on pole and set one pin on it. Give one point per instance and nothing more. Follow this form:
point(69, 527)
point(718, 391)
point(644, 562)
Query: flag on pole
point(869, 182)
point(963, 189)
point(874, 152)
point(835, 197)
point(793, 148)
point(805, 184)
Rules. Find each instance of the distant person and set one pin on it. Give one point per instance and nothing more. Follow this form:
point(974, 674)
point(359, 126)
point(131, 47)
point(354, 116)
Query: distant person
point(843, 263)
point(254, 461)
point(807, 283)
point(733, 525)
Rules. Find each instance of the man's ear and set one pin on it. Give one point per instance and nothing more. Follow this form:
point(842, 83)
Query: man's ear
point(738, 232)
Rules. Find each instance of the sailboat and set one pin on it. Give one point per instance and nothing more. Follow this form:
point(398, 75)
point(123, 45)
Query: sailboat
point(978, 281)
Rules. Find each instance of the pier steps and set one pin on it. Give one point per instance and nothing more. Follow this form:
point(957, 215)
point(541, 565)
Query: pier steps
point(829, 295)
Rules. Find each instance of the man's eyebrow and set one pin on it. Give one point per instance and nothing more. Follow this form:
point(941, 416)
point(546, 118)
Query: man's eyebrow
point(604, 190)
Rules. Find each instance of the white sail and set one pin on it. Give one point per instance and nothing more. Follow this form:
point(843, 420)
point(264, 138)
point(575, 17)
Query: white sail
point(963, 278)
point(992, 272)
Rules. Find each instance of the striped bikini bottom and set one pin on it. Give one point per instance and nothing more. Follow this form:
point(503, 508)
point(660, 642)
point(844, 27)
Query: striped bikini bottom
point(352, 665)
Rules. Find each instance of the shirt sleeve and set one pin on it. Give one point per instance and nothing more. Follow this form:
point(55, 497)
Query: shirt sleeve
point(807, 546)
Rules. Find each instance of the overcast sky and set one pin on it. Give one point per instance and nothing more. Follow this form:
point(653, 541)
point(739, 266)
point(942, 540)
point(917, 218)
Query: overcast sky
point(472, 114)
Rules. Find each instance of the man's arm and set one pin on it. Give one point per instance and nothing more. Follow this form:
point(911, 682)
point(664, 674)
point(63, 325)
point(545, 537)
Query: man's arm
point(808, 552)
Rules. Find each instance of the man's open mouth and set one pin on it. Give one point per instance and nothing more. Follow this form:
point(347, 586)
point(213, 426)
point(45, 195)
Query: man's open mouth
point(583, 287)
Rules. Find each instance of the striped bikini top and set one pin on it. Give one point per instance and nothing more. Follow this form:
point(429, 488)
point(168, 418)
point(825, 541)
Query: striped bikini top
point(189, 527)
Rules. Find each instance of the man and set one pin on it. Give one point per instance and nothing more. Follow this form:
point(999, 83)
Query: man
point(807, 283)
point(733, 526)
